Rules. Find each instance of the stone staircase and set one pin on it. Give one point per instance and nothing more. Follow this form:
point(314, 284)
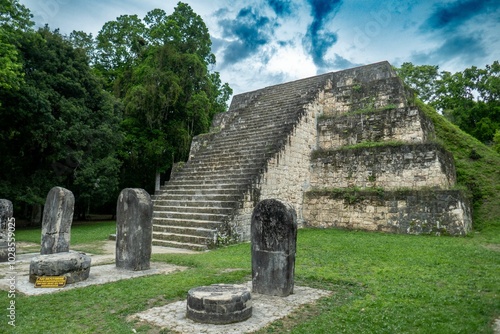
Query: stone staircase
point(192, 210)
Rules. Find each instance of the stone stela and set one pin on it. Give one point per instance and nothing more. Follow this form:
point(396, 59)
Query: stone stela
point(57, 219)
point(274, 238)
point(134, 229)
point(56, 259)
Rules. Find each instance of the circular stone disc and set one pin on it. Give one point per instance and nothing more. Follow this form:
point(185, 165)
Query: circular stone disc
point(219, 304)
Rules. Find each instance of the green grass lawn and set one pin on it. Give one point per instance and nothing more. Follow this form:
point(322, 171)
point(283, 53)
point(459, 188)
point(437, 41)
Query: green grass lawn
point(87, 237)
point(382, 283)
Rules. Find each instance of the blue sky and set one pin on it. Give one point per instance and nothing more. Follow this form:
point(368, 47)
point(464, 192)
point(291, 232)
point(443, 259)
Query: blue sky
point(264, 42)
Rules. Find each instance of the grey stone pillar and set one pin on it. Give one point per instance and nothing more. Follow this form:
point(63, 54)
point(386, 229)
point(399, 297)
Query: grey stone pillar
point(274, 238)
point(6, 213)
point(134, 229)
point(57, 219)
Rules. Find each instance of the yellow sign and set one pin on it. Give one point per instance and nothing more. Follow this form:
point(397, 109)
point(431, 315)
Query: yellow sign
point(50, 282)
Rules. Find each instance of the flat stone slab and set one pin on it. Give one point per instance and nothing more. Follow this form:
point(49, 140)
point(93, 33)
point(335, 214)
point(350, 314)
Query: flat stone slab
point(98, 275)
point(219, 304)
point(265, 309)
point(75, 266)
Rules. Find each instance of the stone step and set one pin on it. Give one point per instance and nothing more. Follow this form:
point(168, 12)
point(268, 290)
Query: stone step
point(233, 152)
point(169, 186)
point(189, 204)
point(224, 171)
point(252, 131)
point(198, 198)
point(197, 191)
point(196, 223)
point(193, 209)
point(208, 158)
point(183, 245)
point(191, 231)
point(218, 217)
point(224, 161)
point(182, 238)
point(193, 178)
point(240, 138)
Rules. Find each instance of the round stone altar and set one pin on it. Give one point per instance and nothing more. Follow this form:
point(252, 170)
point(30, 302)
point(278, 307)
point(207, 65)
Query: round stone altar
point(219, 304)
point(75, 266)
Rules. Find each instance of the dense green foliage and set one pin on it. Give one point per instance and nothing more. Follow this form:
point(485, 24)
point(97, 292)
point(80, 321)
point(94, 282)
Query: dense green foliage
point(381, 283)
point(58, 126)
point(469, 99)
point(14, 19)
point(98, 115)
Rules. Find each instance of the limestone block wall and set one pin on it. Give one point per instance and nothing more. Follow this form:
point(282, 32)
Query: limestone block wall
point(366, 95)
point(390, 167)
point(406, 124)
point(287, 174)
point(413, 212)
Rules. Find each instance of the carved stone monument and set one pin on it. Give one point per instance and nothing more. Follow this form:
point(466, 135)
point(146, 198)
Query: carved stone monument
point(274, 238)
point(56, 259)
point(134, 229)
point(6, 213)
point(57, 219)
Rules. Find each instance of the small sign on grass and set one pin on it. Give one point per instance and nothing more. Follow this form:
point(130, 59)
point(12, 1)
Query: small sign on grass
point(50, 282)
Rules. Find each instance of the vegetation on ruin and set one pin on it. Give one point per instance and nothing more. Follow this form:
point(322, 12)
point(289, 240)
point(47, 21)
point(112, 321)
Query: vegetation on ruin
point(381, 283)
point(477, 167)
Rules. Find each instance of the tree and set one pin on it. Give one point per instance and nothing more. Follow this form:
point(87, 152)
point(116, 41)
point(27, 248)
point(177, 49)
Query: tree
point(159, 67)
point(470, 99)
point(422, 79)
point(59, 128)
point(82, 40)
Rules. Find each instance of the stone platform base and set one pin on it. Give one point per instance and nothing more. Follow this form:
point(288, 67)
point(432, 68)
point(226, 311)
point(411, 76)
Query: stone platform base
point(265, 309)
point(219, 304)
point(75, 266)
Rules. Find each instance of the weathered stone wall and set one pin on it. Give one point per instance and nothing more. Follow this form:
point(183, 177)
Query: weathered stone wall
point(391, 167)
point(412, 212)
point(361, 95)
point(406, 124)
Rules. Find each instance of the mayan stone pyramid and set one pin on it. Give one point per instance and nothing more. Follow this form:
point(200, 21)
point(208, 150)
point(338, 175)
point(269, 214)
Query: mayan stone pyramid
point(347, 149)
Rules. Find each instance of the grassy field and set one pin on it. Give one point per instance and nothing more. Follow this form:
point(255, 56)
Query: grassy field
point(382, 283)
point(88, 236)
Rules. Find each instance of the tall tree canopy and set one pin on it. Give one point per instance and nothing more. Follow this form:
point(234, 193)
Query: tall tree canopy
point(470, 99)
point(159, 67)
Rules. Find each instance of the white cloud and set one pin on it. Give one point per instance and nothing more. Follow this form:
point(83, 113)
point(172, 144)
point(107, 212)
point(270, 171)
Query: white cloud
point(291, 61)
